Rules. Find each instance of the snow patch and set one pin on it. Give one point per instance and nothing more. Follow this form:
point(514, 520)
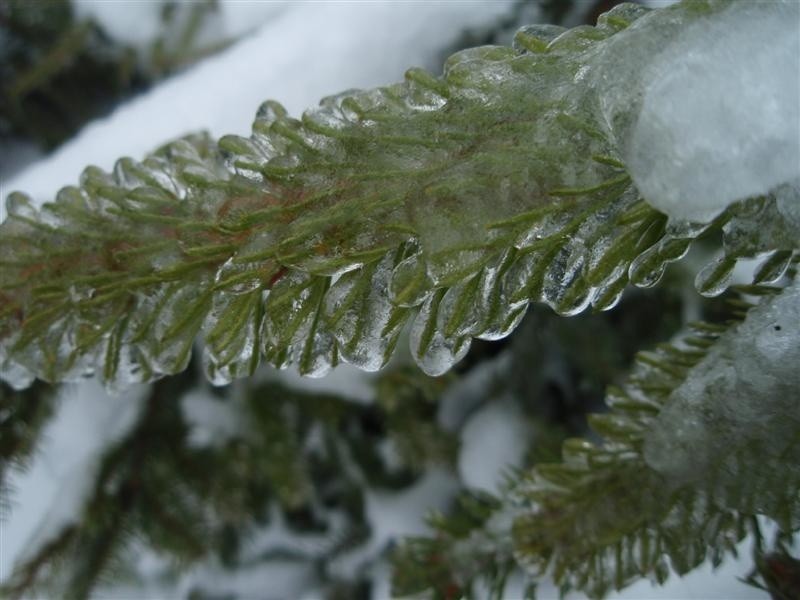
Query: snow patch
point(115, 18)
point(229, 20)
point(494, 440)
point(50, 495)
point(394, 515)
point(211, 420)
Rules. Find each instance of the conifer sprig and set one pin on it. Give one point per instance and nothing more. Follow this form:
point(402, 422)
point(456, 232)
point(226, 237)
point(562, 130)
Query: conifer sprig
point(23, 415)
point(302, 462)
point(614, 512)
point(448, 202)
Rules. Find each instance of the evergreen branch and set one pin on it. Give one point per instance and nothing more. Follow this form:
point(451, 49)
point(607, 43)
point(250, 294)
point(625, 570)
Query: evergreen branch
point(610, 514)
point(195, 502)
point(23, 414)
point(449, 202)
point(776, 569)
point(678, 478)
point(472, 547)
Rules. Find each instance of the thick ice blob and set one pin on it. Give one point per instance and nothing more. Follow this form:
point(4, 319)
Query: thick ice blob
point(720, 113)
point(743, 394)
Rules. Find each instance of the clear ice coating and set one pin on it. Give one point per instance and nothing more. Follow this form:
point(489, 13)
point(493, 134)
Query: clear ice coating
point(719, 104)
point(742, 395)
point(443, 203)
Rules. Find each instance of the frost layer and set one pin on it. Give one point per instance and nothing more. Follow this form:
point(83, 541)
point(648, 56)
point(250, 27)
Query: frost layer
point(737, 397)
point(720, 113)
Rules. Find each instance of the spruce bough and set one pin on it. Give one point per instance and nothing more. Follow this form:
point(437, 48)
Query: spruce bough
point(447, 204)
point(450, 202)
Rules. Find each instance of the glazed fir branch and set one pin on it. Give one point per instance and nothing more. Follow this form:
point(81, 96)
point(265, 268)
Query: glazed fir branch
point(702, 437)
point(449, 202)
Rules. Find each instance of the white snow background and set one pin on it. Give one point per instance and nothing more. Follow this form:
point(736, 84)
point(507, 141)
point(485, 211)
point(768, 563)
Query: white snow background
point(301, 52)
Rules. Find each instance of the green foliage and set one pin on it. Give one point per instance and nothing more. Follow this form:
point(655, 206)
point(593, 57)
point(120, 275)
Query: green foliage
point(442, 206)
point(605, 515)
point(22, 416)
point(50, 67)
point(776, 570)
point(468, 548)
point(447, 202)
point(298, 461)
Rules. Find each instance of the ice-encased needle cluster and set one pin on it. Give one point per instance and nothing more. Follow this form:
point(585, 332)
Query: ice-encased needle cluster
point(702, 435)
point(448, 202)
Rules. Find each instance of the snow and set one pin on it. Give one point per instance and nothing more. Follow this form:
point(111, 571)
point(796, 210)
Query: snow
point(49, 495)
point(146, 15)
point(299, 56)
point(229, 20)
point(211, 420)
point(469, 392)
point(393, 515)
point(720, 117)
point(344, 379)
point(494, 441)
point(275, 581)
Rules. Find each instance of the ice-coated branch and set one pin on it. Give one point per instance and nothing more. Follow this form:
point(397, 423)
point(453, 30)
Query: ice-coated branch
point(653, 492)
point(449, 202)
point(689, 456)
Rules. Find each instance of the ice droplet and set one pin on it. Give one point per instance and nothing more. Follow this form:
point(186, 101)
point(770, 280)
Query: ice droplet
point(269, 112)
point(705, 136)
point(773, 266)
point(433, 352)
point(243, 156)
point(244, 278)
point(132, 368)
point(230, 330)
point(56, 354)
point(20, 205)
point(360, 313)
point(326, 118)
point(609, 293)
point(460, 310)
point(13, 373)
point(535, 38)
point(410, 284)
point(714, 278)
point(317, 355)
point(647, 269)
point(172, 323)
point(564, 288)
point(292, 326)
